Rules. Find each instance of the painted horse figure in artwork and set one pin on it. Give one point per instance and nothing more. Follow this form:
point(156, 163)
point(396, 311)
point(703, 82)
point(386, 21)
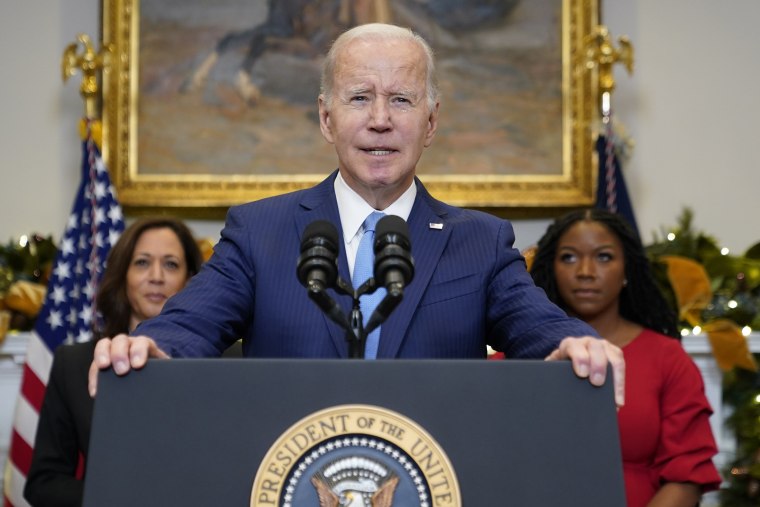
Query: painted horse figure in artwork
point(308, 27)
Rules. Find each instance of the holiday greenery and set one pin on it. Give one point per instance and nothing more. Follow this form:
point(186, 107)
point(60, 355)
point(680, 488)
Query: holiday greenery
point(733, 286)
point(24, 271)
point(742, 392)
point(734, 280)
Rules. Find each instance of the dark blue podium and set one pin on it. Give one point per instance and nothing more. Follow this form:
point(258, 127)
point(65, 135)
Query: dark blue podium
point(201, 432)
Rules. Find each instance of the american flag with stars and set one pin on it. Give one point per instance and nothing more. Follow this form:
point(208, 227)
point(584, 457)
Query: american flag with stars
point(68, 312)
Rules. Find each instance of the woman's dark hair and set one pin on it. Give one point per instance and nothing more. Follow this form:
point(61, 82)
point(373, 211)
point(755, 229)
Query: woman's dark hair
point(641, 301)
point(112, 301)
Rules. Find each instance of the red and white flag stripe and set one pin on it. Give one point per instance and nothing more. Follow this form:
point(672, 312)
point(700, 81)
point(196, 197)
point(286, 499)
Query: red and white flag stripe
point(66, 316)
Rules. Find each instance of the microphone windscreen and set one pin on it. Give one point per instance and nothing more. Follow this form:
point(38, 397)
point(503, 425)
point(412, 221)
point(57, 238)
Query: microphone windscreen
point(393, 255)
point(319, 255)
point(394, 226)
point(320, 229)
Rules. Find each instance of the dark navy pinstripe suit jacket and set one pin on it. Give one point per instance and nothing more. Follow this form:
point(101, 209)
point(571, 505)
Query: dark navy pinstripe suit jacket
point(470, 288)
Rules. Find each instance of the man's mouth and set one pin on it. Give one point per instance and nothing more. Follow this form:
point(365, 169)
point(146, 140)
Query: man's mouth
point(378, 151)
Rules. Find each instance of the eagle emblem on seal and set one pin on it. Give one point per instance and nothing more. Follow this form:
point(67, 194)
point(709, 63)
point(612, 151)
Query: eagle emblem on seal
point(355, 482)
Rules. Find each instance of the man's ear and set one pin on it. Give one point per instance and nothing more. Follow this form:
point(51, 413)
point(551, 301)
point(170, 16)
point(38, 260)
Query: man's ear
point(324, 120)
point(432, 125)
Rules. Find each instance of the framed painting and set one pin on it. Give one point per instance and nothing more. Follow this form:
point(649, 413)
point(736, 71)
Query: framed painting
point(211, 104)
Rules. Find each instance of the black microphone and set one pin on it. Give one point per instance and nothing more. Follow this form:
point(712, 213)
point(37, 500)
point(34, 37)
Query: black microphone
point(394, 266)
point(318, 263)
point(317, 267)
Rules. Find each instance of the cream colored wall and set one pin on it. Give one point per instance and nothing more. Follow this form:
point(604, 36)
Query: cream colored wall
point(38, 140)
point(692, 107)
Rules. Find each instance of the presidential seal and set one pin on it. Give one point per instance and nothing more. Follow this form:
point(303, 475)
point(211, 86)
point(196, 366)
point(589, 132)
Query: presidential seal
point(357, 456)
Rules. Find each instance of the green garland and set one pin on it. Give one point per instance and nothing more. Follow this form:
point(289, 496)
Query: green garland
point(742, 392)
point(735, 279)
point(30, 260)
point(735, 282)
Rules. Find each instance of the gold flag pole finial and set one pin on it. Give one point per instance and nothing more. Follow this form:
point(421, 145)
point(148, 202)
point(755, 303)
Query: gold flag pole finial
point(89, 62)
point(602, 54)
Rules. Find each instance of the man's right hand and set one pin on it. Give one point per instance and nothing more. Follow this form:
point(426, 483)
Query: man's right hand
point(123, 353)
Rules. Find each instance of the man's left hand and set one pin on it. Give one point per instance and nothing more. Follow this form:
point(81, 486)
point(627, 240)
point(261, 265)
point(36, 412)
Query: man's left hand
point(590, 357)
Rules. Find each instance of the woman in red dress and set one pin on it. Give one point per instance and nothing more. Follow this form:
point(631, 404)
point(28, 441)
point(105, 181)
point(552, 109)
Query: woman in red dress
point(593, 265)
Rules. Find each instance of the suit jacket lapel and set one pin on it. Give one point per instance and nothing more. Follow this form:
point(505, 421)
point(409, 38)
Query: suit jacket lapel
point(428, 243)
point(319, 203)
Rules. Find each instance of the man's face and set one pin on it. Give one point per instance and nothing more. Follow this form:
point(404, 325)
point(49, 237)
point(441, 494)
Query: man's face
point(378, 118)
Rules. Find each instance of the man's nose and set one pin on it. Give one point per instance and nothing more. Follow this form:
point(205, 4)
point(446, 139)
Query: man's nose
point(380, 115)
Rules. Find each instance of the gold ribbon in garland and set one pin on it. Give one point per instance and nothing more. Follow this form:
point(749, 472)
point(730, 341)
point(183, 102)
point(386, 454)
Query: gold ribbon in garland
point(691, 285)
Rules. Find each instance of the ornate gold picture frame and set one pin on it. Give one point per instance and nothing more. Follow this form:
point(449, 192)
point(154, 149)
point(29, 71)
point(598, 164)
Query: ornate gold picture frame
point(206, 104)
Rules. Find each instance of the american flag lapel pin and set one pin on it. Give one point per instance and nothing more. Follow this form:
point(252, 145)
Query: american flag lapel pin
point(435, 225)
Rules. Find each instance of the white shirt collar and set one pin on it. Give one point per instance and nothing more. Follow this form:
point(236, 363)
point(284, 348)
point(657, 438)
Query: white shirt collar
point(353, 209)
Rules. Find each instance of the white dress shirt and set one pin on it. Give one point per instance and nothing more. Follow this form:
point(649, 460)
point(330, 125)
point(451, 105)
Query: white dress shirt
point(353, 210)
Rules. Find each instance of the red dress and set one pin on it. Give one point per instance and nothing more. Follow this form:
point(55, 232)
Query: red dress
point(664, 426)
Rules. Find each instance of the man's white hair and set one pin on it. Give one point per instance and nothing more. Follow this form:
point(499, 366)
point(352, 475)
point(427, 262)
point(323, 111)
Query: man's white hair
point(378, 31)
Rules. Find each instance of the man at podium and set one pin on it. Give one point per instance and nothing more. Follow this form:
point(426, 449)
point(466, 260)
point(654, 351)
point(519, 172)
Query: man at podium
point(379, 107)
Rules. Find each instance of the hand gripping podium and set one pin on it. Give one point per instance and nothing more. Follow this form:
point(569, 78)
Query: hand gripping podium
point(303, 433)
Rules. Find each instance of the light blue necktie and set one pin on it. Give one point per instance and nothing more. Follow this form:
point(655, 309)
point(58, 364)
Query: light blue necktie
point(364, 269)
